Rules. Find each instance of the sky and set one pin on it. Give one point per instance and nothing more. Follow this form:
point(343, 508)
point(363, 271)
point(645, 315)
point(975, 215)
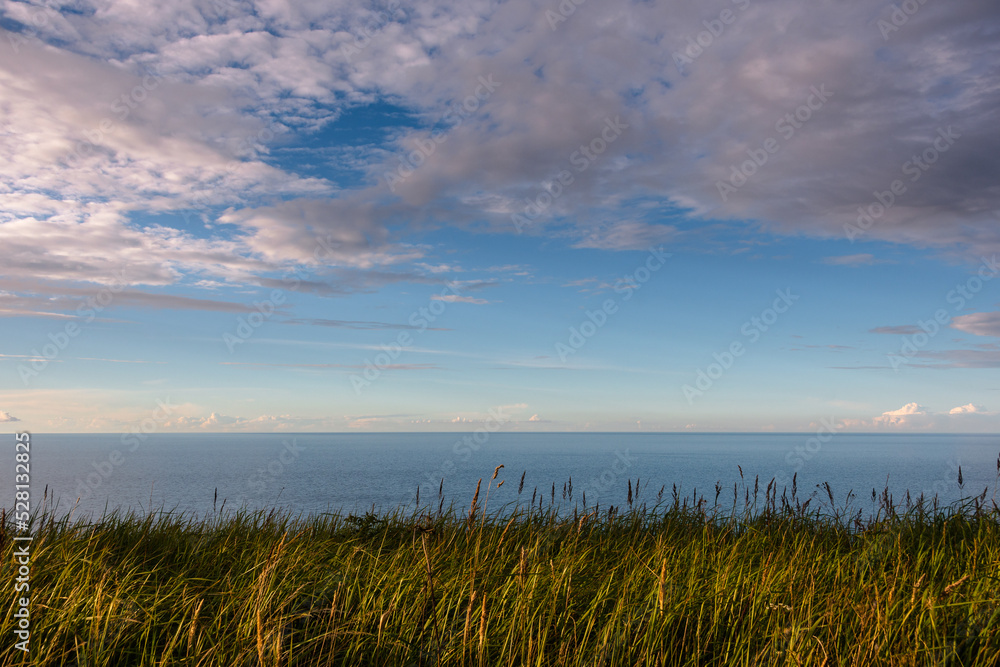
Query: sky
point(742, 215)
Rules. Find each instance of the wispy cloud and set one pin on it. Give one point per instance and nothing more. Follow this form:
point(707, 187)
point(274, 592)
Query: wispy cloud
point(357, 324)
point(456, 298)
point(897, 330)
point(860, 259)
point(980, 324)
point(627, 235)
point(355, 367)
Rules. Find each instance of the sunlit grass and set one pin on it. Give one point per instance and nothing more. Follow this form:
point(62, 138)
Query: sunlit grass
point(744, 579)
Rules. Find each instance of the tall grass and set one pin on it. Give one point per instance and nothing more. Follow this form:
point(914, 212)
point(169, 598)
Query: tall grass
point(776, 580)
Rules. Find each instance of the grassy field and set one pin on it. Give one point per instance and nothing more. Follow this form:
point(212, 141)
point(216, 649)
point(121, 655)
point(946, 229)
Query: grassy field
point(751, 577)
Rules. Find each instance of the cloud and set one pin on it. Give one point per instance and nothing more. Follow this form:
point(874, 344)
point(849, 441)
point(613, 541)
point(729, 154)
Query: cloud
point(226, 423)
point(946, 359)
point(897, 330)
point(916, 417)
point(534, 418)
point(582, 282)
point(211, 94)
point(904, 416)
point(438, 268)
point(967, 410)
point(90, 143)
point(979, 324)
point(7, 417)
point(385, 367)
point(345, 231)
point(455, 298)
point(861, 259)
point(355, 324)
point(628, 235)
point(58, 299)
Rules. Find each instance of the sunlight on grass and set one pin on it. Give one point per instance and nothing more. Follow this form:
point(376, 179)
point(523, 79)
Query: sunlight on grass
point(751, 578)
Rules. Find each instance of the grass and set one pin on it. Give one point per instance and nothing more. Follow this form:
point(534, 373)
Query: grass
point(763, 580)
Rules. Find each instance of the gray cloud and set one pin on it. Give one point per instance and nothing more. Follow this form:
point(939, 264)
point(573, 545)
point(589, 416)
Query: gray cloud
point(61, 300)
point(225, 74)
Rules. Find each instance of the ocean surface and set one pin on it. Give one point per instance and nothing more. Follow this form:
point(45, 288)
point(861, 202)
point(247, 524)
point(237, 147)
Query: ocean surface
point(321, 472)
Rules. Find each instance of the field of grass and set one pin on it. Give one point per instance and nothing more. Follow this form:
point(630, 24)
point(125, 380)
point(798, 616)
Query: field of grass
point(751, 577)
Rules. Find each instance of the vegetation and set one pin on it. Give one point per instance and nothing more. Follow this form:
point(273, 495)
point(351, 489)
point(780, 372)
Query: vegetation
point(761, 580)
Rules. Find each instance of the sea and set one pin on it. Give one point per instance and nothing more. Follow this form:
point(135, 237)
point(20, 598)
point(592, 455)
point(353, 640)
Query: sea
point(305, 474)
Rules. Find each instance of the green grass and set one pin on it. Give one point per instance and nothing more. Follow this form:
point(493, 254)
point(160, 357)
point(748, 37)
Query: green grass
point(774, 581)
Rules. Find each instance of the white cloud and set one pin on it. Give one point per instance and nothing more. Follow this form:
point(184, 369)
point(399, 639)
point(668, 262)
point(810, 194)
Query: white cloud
point(904, 416)
point(225, 423)
point(968, 410)
point(916, 417)
point(222, 73)
point(7, 417)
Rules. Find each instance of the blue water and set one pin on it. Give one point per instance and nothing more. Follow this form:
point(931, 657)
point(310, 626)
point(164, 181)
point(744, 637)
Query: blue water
point(314, 473)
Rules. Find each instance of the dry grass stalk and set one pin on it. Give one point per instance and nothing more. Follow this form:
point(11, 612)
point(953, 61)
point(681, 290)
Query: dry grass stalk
point(661, 593)
point(953, 585)
point(194, 626)
point(482, 626)
point(468, 618)
point(475, 499)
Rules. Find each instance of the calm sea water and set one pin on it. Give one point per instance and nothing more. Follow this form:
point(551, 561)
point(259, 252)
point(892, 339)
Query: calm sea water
point(315, 473)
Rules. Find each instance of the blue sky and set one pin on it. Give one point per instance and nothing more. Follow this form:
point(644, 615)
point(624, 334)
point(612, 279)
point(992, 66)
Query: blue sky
point(281, 216)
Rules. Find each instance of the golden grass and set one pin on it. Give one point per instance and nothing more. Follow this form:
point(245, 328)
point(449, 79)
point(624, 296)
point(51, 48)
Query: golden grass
point(681, 583)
